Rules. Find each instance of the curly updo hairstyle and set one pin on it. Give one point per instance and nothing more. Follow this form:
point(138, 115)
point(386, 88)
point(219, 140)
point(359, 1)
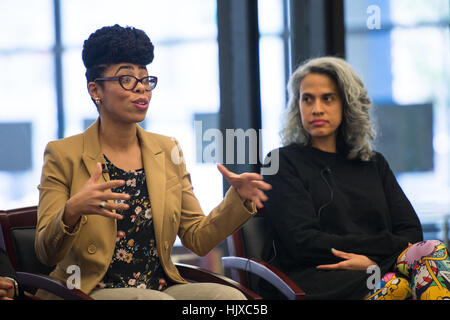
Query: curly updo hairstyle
point(115, 44)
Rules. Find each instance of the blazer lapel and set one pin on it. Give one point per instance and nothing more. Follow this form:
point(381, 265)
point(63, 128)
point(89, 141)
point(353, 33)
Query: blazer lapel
point(92, 151)
point(92, 154)
point(154, 166)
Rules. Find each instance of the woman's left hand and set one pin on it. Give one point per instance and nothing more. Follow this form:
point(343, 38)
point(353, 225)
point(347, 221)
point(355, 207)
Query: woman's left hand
point(248, 185)
point(352, 261)
point(6, 289)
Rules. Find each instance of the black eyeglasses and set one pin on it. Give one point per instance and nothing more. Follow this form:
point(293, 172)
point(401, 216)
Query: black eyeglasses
point(130, 82)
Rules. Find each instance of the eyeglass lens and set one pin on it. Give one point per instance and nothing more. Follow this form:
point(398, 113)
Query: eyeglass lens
point(130, 82)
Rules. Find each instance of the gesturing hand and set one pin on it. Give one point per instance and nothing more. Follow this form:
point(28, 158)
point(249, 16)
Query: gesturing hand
point(6, 289)
point(351, 261)
point(249, 186)
point(90, 198)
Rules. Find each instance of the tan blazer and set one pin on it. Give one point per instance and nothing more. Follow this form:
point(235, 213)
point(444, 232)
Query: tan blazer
point(69, 163)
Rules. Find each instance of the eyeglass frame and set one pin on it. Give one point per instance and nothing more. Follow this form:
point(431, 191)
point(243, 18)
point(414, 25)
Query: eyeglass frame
point(127, 75)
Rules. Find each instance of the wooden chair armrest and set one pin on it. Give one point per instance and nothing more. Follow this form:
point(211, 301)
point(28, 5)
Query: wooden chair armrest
point(196, 274)
point(267, 272)
point(51, 285)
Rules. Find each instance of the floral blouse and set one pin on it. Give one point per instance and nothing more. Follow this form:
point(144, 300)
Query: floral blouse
point(135, 262)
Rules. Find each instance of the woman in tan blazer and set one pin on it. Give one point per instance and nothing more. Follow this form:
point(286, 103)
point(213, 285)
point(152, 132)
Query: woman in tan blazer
point(114, 198)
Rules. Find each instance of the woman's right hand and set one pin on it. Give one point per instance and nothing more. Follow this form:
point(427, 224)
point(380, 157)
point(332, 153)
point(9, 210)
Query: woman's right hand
point(88, 200)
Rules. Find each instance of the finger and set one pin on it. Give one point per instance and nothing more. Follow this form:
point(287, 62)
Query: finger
point(115, 196)
point(341, 254)
point(262, 196)
point(224, 171)
point(109, 214)
point(258, 204)
point(111, 184)
point(334, 266)
point(262, 185)
point(258, 201)
point(253, 176)
point(115, 206)
point(120, 207)
point(259, 195)
point(97, 173)
point(4, 284)
point(255, 195)
point(3, 293)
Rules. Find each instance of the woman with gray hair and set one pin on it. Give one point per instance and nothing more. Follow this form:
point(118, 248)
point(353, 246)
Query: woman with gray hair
point(356, 131)
point(340, 225)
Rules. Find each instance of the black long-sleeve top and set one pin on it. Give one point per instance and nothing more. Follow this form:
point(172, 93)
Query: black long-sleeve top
point(322, 200)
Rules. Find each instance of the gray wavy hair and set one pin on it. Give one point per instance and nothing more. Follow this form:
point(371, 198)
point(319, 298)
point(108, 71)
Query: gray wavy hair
point(356, 131)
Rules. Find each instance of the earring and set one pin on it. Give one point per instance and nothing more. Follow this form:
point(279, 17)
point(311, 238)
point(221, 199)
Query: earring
point(97, 101)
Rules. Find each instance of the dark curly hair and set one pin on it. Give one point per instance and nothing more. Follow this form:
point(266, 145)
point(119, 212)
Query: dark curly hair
point(115, 44)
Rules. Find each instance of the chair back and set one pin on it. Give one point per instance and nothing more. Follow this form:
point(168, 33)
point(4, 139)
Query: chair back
point(18, 229)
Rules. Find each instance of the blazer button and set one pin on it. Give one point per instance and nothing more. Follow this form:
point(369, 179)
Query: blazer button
point(92, 249)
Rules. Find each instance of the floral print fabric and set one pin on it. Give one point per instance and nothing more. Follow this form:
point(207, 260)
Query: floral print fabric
point(422, 272)
point(135, 262)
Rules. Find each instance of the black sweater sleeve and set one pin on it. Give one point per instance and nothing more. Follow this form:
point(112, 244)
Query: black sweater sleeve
point(404, 220)
point(291, 213)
